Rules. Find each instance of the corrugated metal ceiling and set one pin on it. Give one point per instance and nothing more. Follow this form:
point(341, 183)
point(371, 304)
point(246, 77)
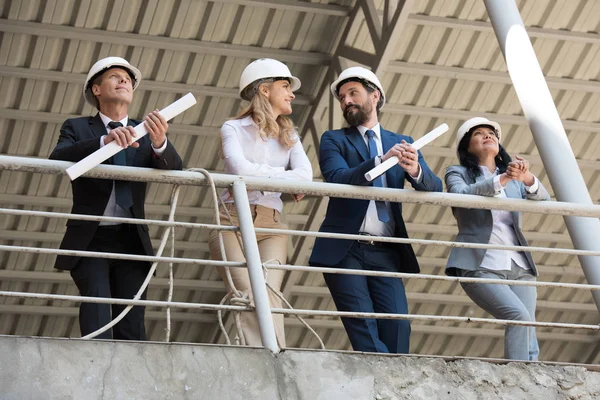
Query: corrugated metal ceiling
point(439, 62)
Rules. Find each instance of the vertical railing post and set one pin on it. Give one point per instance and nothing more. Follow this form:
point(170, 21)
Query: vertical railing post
point(257, 279)
point(548, 132)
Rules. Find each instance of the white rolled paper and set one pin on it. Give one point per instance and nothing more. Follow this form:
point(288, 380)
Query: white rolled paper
point(418, 144)
point(109, 150)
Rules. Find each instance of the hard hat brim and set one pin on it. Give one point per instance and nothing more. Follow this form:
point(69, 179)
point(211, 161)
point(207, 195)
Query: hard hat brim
point(334, 86)
point(295, 84)
point(474, 123)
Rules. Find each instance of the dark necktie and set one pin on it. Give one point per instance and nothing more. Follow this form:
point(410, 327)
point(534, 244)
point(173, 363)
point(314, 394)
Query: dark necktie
point(122, 189)
point(382, 211)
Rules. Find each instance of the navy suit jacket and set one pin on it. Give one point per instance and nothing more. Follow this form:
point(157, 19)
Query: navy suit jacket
point(344, 158)
point(79, 137)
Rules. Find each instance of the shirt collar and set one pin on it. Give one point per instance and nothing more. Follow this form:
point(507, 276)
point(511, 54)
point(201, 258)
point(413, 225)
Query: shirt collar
point(377, 129)
point(247, 121)
point(106, 120)
point(486, 172)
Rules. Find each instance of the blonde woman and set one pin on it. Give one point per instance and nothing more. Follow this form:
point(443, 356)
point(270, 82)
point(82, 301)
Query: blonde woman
point(261, 141)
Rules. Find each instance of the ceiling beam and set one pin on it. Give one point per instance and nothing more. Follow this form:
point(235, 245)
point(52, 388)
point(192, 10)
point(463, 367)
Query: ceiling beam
point(480, 75)
point(159, 42)
point(534, 159)
point(58, 118)
point(295, 6)
point(385, 32)
point(392, 27)
point(509, 119)
point(146, 85)
point(485, 26)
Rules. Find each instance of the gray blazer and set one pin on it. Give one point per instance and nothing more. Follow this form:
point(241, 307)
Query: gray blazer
point(475, 225)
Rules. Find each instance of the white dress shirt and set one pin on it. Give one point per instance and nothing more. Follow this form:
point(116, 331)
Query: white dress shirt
point(371, 224)
point(503, 231)
point(246, 153)
point(112, 209)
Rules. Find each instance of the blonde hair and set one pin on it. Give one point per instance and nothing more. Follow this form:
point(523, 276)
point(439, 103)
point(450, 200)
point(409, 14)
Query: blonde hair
point(261, 112)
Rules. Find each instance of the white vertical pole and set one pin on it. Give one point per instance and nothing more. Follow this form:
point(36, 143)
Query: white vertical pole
point(548, 132)
point(257, 280)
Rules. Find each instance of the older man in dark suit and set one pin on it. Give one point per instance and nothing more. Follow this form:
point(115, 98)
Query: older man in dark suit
point(109, 87)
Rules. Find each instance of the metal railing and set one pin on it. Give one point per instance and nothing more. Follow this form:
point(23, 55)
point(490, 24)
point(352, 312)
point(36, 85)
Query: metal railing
point(239, 186)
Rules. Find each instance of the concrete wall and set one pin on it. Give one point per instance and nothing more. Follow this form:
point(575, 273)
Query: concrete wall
point(34, 368)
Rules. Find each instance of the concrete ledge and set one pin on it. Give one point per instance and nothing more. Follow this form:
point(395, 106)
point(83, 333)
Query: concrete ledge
point(43, 368)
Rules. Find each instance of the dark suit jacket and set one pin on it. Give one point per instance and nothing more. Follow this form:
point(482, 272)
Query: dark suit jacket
point(344, 158)
point(79, 137)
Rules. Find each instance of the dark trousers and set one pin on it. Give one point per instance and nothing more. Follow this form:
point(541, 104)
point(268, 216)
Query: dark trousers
point(371, 294)
point(102, 277)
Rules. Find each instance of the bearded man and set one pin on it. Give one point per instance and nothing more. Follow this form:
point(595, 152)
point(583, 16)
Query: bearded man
point(345, 156)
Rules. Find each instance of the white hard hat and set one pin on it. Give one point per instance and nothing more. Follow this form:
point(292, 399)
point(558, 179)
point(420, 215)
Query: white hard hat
point(472, 123)
point(360, 74)
point(265, 68)
point(103, 65)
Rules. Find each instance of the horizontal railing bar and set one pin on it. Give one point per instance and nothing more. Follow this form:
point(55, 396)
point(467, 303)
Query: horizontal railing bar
point(101, 218)
point(112, 300)
point(444, 243)
point(217, 263)
point(406, 275)
point(122, 256)
point(380, 239)
point(421, 317)
point(320, 189)
point(285, 311)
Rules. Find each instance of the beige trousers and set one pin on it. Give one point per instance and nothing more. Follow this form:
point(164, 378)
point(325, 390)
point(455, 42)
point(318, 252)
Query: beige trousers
point(271, 248)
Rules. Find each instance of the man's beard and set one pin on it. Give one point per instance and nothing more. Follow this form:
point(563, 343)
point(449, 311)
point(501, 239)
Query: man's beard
point(359, 116)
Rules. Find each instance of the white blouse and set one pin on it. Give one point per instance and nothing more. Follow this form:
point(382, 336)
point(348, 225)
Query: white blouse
point(503, 231)
point(246, 153)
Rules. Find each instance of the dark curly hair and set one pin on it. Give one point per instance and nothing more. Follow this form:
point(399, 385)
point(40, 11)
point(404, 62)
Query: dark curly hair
point(470, 161)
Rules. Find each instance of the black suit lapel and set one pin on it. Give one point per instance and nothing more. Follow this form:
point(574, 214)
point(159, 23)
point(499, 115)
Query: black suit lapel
point(97, 126)
point(98, 129)
point(354, 136)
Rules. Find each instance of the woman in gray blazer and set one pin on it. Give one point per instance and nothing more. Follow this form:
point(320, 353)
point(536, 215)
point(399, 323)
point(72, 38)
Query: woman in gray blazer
point(486, 169)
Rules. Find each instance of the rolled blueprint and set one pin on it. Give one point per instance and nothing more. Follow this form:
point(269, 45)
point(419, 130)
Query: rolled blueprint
point(109, 150)
point(390, 162)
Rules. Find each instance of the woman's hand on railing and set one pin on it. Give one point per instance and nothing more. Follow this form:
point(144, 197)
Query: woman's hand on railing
point(298, 197)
